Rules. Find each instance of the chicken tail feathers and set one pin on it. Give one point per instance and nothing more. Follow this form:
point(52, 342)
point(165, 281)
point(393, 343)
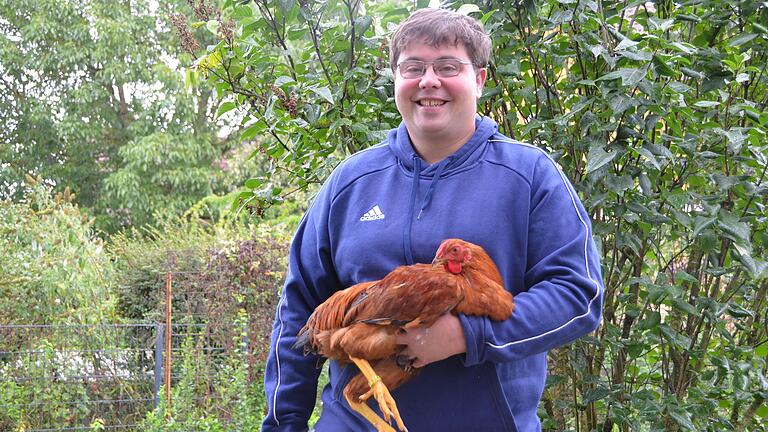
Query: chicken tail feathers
point(302, 342)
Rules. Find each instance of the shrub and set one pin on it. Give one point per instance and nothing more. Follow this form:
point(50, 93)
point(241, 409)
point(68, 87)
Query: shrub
point(54, 269)
point(216, 271)
point(656, 111)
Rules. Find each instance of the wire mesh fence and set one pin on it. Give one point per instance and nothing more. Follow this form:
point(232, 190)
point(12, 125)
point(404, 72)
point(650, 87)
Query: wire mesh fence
point(105, 377)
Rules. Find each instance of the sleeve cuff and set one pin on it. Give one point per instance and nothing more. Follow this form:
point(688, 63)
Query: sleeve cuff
point(471, 337)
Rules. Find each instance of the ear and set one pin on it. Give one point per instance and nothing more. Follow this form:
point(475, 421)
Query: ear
point(480, 77)
point(467, 255)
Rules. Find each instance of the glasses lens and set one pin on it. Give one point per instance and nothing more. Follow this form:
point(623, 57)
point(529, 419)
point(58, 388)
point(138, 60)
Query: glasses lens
point(412, 68)
point(447, 68)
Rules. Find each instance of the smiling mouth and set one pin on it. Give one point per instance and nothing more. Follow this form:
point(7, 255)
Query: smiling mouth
point(430, 102)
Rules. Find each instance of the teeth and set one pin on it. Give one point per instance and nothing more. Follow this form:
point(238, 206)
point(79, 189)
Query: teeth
point(431, 102)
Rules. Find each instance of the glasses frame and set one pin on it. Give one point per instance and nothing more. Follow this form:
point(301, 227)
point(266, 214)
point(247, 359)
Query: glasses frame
point(424, 65)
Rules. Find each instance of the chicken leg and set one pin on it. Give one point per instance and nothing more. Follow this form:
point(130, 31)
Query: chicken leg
point(380, 392)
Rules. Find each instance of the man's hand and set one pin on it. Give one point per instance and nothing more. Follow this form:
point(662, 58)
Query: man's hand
point(428, 345)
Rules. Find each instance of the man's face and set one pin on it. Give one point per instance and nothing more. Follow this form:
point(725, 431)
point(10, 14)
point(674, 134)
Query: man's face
point(436, 108)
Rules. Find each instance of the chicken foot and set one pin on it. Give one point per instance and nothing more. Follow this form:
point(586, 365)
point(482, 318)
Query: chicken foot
point(364, 410)
point(380, 392)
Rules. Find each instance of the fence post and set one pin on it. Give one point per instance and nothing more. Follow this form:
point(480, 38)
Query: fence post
point(168, 350)
point(159, 329)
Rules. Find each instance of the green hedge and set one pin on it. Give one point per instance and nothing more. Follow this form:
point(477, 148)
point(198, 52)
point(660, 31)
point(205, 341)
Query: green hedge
point(54, 268)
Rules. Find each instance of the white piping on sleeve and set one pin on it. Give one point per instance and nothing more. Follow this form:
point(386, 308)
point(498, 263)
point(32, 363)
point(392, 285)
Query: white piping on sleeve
point(586, 257)
point(277, 356)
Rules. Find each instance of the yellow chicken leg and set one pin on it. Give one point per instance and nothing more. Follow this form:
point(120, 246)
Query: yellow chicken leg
point(380, 392)
point(369, 414)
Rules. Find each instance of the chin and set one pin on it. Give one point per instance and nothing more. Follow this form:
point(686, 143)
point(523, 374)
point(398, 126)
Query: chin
point(433, 127)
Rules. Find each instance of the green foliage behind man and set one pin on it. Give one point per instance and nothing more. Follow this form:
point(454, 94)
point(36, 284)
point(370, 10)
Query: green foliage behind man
point(655, 110)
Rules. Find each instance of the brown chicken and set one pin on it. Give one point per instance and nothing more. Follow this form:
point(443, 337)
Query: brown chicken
point(360, 324)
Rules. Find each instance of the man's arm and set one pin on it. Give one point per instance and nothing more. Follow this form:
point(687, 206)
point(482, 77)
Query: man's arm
point(290, 379)
point(562, 296)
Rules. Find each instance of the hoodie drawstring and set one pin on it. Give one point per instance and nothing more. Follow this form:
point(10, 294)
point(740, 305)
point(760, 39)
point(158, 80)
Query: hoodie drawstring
point(424, 203)
point(408, 249)
point(400, 144)
point(432, 186)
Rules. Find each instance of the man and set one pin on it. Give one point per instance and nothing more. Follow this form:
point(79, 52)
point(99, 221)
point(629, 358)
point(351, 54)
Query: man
point(445, 172)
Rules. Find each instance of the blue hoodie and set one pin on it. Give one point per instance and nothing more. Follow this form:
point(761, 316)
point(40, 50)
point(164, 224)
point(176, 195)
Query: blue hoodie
point(385, 207)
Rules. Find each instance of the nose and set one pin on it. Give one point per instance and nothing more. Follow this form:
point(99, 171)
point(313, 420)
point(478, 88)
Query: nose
point(429, 79)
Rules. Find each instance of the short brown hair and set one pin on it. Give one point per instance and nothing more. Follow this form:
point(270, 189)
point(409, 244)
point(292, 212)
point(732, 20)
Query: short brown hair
point(437, 27)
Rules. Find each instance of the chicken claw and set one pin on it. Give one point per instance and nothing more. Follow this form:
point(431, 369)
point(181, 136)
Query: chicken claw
point(364, 410)
point(387, 404)
point(380, 392)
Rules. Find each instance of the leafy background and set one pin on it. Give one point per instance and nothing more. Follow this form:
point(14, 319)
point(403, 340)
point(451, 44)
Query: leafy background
point(158, 117)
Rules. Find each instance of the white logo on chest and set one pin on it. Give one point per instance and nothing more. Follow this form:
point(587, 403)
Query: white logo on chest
point(372, 214)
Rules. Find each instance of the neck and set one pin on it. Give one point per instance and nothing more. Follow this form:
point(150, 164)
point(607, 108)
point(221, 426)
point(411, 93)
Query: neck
point(433, 149)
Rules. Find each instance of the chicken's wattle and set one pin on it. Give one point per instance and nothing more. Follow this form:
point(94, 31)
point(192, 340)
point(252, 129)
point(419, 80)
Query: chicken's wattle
point(453, 267)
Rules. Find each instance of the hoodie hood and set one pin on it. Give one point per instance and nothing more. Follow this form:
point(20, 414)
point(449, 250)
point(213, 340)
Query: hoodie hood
point(400, 143)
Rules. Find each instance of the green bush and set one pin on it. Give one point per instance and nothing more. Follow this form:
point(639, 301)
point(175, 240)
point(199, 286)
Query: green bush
point(74, 376)
point(216, 272)
point(54, 268)
point(657, 112)
point(143, 257)
point(12, 417)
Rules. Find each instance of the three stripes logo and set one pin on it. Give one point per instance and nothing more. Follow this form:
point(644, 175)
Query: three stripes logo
point(372, 214)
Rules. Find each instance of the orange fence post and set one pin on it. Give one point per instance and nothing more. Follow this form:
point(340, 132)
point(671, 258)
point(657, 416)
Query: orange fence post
point(168, 343)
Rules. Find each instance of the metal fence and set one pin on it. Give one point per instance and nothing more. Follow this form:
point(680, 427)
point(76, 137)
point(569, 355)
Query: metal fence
point(85, 377)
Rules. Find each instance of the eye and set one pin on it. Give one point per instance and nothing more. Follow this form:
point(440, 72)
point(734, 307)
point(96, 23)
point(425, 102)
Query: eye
point(447, 68)
point(408, 68)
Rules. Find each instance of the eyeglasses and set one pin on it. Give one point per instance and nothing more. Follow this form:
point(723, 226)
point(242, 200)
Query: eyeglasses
point(444, 68)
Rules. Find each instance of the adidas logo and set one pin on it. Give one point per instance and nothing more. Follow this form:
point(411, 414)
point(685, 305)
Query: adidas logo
point(372, 214)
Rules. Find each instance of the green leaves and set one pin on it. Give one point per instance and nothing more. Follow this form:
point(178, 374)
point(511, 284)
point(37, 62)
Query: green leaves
point(733, 228)
point(683, 419)
point(225, 108)
point(655, 113)
point(629, 76)
point(323, 92)
point(102, 80)
point(55, 269)
point(742, 39)
point(163, 175)
point(310, 80)
point(597, 158)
